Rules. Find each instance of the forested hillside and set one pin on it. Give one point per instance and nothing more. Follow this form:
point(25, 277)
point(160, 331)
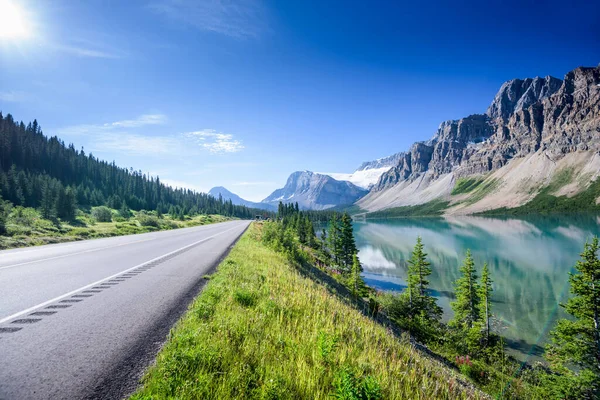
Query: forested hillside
point(44, 173)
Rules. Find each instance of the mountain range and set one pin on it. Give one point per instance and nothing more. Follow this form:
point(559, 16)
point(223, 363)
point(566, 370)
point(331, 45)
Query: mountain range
point(220, 191)
point(538, 135)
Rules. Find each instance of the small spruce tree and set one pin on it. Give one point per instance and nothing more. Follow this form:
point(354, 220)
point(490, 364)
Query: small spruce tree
point(466, 305)
point(347, 243)
point(485, 296)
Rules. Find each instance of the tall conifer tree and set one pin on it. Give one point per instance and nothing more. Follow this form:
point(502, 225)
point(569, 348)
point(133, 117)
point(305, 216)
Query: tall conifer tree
point(466, 305)
point(574, 350)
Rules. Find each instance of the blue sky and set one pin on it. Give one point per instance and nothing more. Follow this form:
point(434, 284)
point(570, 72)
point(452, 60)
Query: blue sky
point(242, 93)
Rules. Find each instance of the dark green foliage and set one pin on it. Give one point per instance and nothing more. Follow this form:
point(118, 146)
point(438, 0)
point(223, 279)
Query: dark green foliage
point(415, 309)
point(347, 248)
point(574, 351)
point(357, 285)
point(466, 305)
point(125, 212)
point(66, 204)
point(485, 297)
point(466, 185)
point(102, 214)
point(4, 210)
point(36, 170)
point(334, 241)
point(432, 208)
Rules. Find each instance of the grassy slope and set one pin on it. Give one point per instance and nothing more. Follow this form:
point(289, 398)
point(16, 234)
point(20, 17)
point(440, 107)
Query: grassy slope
point(262, 330)
point(432, 208)
point(33, 230)
point(546, 203)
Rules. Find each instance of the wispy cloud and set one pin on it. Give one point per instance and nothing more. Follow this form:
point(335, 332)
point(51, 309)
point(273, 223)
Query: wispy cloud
point(238, 19)
point(137, 144)
point(124, 136)
point(13, 96)
point(84, 52)
point(85, 129)
point(216, 142)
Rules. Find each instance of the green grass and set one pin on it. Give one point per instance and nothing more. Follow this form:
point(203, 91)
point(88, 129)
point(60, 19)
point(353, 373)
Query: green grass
point(466, 185)
point(433, 208)
point(25, 227)
point(546, 203)
point(262, 330)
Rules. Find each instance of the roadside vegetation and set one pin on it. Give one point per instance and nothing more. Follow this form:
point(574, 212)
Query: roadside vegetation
point(50, 192)
point(21, 227)
point(263, 329)
point(289, 315)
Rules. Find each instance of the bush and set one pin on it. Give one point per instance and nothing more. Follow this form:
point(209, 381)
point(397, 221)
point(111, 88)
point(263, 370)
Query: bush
point(350, 387)
point(102, 214)
point(146, 219)
point(23, 216)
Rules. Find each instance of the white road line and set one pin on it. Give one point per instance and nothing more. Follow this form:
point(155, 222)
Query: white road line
point(30, 309)
point(81, 252)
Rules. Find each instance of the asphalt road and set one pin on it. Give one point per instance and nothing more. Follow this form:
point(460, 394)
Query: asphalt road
point(83, 320)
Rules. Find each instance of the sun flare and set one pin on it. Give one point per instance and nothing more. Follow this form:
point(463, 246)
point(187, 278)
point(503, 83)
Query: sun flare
point(13, 25)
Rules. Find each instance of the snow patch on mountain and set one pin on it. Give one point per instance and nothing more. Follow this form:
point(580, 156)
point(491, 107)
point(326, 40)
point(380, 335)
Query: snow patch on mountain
point(362, 178)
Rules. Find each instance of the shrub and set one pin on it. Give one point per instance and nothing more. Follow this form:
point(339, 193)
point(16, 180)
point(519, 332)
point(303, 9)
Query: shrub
point(350, 387)
point(102, 214)
point(146, 219)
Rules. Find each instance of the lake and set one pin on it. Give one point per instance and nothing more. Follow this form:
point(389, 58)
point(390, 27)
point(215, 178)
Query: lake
point(529, 260)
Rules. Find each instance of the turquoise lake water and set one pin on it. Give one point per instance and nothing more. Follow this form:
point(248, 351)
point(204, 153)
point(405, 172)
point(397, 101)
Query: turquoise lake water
point(529, 259)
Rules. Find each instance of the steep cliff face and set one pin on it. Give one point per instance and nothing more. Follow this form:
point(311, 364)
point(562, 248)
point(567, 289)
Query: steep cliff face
point(548, 116)
point(517, 94)
point(315, 191)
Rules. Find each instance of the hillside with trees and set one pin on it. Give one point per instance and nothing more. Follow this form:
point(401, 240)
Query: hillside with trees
point(43, 179)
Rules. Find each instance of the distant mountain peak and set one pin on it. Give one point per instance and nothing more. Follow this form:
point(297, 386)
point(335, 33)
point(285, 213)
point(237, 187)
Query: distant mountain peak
point(315, 191)
point(237, 200)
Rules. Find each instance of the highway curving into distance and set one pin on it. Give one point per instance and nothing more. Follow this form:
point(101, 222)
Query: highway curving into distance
point(84, 319)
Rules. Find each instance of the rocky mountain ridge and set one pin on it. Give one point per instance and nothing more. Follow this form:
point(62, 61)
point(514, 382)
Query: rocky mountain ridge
point(546, 117)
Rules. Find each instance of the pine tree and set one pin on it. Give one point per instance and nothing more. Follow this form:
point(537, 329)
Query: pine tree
point(485, 296)
point(124, 211)
point(323, 240)
point(48, 202)
point(334, 239)
point(356, 282)
point(574, 350)
point(423, 312)
point(466, 306)
point(4, 206)
point(419, 269)
point(348, 245)
point(66, 204)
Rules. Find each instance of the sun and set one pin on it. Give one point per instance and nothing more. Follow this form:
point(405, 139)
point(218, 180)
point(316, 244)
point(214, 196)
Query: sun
point(13, 25)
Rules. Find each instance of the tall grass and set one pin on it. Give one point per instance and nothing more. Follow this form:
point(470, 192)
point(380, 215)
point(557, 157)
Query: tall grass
point(262, 330)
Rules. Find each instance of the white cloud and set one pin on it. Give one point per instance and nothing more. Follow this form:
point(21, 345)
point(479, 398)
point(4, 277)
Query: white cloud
point(121, 136)
point(13, 96)
point(216, 142)
point(238, 19)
